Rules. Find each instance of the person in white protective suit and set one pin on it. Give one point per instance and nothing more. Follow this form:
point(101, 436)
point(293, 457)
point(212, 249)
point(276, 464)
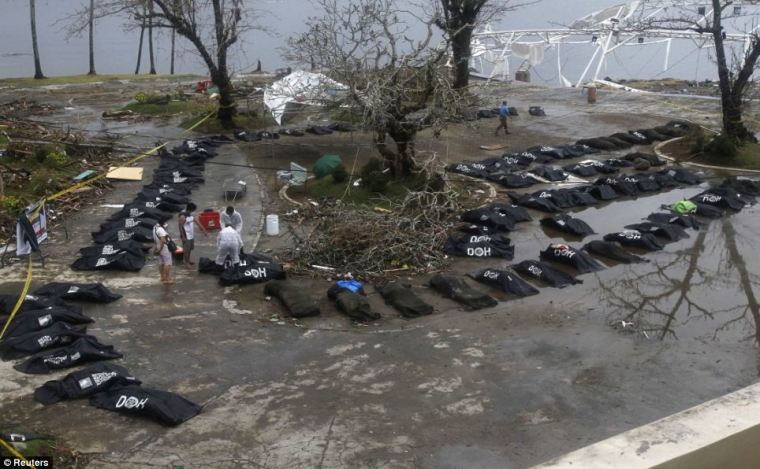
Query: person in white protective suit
point(229, 243)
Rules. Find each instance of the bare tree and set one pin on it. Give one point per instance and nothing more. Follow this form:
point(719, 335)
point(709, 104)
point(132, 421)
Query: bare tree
point(185, 17)
point(459, 19)
point(33, 16)
point(80, 20)
point(733, 80)
point(397, 82)
point(140, 45)
point(151, 55)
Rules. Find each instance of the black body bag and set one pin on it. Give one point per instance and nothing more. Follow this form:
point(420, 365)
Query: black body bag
point(505, 281)
point(612, 251)
point(246, 273)
point(568, 224)
point(92, 292)
point(37, 319)
point(83, 350)
point(663, 230)
point(59, 333)
point(83, 383)
point(119, 261)
point(564, 254)
point(164, 407)
point(545, 273)
point(636, 239)
point(108, 249)
point(352, 304)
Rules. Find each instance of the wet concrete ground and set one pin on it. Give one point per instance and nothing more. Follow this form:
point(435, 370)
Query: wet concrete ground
point(509, 386)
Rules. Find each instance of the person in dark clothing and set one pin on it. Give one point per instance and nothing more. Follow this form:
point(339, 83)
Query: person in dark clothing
point(503, 115)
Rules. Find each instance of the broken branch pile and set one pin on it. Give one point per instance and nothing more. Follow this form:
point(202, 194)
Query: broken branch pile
point(408, 235)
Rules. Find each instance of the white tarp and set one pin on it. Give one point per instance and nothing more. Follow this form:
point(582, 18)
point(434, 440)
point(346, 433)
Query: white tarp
point(534, 53)
point(300, 87)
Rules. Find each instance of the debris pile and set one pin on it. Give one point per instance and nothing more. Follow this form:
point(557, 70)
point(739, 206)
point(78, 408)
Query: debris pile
point(409, 235)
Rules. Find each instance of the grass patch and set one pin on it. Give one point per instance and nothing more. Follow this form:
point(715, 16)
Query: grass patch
point(327, 188)
point(748, 157)
point(172, 108)
point(27, 82)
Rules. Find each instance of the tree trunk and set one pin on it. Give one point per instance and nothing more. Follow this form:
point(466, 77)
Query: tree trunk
point(401, 161)
point(140, 47)
point(226, 102)
point(150, 39)
point(92, 41)
point(37, 67)
point(730, 97)
point(461, 50)
point(171, 65)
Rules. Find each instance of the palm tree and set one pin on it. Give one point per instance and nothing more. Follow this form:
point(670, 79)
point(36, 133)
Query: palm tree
point(37, 67)
point(92, 43)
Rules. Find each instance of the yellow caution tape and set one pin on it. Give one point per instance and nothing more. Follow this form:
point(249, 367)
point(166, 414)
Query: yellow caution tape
point(20, 298)
point(71, 189)
point(15, 453)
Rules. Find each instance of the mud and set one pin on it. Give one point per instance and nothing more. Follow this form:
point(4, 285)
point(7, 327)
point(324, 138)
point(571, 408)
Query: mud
point(505, 387)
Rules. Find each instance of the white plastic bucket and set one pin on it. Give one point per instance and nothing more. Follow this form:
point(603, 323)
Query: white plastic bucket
point(273, 225)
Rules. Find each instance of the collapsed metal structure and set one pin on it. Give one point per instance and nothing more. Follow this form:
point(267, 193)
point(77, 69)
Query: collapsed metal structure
point(636, 24)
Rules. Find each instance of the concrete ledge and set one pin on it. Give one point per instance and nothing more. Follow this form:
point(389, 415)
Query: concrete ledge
point(720, 433)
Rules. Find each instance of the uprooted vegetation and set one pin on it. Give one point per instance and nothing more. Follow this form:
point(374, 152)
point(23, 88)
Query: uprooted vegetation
point(38, 159)
point(408, 235)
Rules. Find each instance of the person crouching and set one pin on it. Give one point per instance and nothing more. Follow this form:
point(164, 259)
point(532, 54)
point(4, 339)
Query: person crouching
point(229, 244)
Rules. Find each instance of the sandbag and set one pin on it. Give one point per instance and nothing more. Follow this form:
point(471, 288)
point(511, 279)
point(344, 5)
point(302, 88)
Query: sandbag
point(164, 407)
point(636, 239)
point(612, 251)
point(504, 280)
point(91, 292)
point(293, 298)
point(119, 261)
point(546, 273)
point(663, 230)
point(457, 289)
point(568, 224)
point(405, 300)
point(354, 305)
point(34, 320)
point(83, 383)
point(83, 350)
point(686, 221)
point(568, 255)
point(57, 334)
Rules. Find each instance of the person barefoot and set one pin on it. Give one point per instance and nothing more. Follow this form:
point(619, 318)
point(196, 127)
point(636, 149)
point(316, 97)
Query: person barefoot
point(161, 238)
point(187, 223)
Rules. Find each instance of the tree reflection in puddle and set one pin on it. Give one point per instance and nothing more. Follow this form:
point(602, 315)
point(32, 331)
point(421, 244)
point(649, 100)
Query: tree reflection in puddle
point(703, 290)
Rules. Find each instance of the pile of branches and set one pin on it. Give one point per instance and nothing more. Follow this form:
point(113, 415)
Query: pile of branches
point(408, 235)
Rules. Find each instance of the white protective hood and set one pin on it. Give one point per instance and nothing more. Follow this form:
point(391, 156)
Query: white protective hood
point(300, 87)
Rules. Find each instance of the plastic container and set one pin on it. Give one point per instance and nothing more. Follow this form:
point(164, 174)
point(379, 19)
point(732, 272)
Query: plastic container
point(273, 225)
point(210, 220)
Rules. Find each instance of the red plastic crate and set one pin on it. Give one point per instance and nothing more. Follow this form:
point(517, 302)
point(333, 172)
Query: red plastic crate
point(210, 220)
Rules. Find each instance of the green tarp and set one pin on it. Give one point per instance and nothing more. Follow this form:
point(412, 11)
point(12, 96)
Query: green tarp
point(326, 165)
